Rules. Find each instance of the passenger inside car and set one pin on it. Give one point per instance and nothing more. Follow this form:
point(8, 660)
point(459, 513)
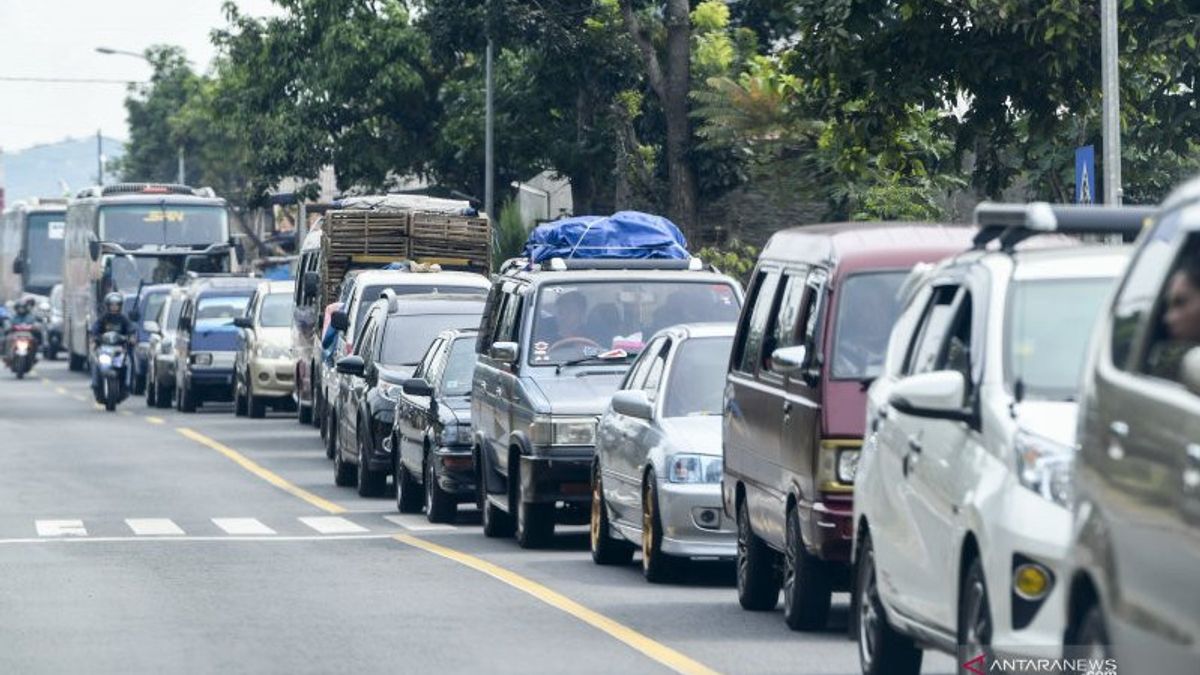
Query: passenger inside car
point(1179, 331)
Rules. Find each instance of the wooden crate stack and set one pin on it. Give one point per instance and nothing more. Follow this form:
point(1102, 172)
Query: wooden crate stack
point(439, 237)
point(356, 238)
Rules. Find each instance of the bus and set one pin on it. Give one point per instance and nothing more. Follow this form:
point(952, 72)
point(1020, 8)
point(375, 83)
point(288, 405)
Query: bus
point(121, 237)
point(31, 248)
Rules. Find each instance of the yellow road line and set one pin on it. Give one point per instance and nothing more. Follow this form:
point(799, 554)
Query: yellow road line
point(154, 420)
point(648, 647)
point(263, 473)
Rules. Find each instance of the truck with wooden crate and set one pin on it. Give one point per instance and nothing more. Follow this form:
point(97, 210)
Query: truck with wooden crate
point(371, 233)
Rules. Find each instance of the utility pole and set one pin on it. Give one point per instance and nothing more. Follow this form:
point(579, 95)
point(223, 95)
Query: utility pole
point(182, 178)
point(1110, 83)
point(489, 169)
point(99, 160)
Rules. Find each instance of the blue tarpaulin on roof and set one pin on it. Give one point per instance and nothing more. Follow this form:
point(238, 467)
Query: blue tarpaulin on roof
point(625, 234)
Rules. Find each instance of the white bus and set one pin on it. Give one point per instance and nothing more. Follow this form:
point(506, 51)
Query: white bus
point(31, 248)
point(119, 237)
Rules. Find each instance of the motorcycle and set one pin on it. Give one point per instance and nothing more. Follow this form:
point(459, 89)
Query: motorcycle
point(113, 366)
point(21, 349)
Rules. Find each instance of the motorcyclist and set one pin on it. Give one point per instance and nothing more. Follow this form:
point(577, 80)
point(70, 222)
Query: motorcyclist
point(24, 314)
point(111, 321)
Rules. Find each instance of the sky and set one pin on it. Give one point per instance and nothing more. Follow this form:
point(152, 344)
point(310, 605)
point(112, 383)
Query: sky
point(58, 39)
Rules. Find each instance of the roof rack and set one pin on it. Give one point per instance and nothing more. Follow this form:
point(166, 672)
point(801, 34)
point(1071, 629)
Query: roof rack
point(564, 264)
point(144, 188)
point(1010, 224)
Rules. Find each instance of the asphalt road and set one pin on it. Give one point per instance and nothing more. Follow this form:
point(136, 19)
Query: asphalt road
point(150, 541)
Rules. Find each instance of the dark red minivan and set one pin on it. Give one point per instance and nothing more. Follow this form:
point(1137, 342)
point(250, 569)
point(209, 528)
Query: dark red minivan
point(812, 335)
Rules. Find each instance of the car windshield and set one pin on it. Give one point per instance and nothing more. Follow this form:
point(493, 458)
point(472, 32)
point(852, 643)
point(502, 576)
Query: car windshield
point(697, 381)
point(220, 310)
point(406, 338)
point(371, 293)
point(460, 368)
point(133, 225)
point(276, 311)
point(154, 303)
point(44, 250)
point(1049, 325)
point(867, 307)
point(586, 319)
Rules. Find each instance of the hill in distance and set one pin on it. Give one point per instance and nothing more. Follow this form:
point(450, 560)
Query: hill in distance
point(55, 169)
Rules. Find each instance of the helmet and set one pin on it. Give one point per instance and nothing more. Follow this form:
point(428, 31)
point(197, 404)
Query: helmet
point(113, 302)
point(29, 303)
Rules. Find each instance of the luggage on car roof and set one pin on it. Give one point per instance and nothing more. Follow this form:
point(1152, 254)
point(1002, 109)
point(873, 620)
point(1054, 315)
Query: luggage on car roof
point(625, 234)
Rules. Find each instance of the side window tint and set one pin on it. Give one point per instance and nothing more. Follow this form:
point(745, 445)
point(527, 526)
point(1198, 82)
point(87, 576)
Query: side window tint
point(637, 374)
point(743, 330)
point(764, 302)
point(655, 372)
point(509, 328)
point(814, 311)
point(1147, 275)
point(1176, 327)
point(783, 329)
point(491, 314)
point(924, 352)
point(956, 353)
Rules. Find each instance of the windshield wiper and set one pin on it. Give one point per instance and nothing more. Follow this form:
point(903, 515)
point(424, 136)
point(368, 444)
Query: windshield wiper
point(607, 357)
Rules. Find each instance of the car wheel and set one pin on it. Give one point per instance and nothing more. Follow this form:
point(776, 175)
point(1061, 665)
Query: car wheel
point(806, 587)
point(408, 494)
point(343, 472)
point(370, 483)
point(606, 549)
point(440, 506)
point(187, 399)
point(757, 567)
point(1088, 640)
point(974, 614)
point(304, 413)
point(151, 392)
point(256, 406)
point(657, 567)
point(535, 520)
point(239, 401)
point(496, 523)
point(165, 396)
point(330, 434)
point(881, 649)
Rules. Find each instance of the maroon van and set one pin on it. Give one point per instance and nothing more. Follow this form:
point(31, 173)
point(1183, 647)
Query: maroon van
point(812, 335)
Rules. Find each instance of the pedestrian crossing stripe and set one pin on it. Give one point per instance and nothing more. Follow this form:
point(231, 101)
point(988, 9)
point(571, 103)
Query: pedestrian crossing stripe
point(241, 526)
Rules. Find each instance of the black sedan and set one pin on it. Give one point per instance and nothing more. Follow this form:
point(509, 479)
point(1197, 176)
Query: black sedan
point(432, 430)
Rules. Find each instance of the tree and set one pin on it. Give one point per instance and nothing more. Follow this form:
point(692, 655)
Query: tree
point(155, 141)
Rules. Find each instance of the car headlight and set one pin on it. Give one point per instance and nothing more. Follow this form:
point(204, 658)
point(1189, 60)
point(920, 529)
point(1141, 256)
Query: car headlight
point(272, 352)
point(456, 434)
point(847, 466)
point(563, 431)
point(390, 391)
point(687, 468)
point(202, 359)
point(1044, 466)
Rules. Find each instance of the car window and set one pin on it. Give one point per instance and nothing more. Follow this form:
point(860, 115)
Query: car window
point(696, 384)
point(493, 310)
point(956, 352)
point(407, 337)
point(220, 310)
point(636, 376)
point(867, 307)
point(1176, 327)
point(927, 343)
point(751, 336)
point(427, 359)
point(654, 373)
point(364, 343)
point(508, 328)
point(783, 327)
point(1047, 329)
point(459, 369)
point(275, 310)
point(580, 319)
point(154, 303)
point(1142, 286)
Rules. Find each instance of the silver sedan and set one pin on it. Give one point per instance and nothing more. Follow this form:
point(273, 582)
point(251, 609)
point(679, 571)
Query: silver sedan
point(656, 481)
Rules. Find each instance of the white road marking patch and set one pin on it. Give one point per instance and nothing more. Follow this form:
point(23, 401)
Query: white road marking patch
point(418, 524)
point(122, 540)
point(332, 525)
point(242, 526)
point(153, 527)
point(60, 528)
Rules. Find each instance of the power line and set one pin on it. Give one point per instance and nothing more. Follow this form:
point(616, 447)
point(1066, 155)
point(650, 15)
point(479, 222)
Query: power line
point(67, 80)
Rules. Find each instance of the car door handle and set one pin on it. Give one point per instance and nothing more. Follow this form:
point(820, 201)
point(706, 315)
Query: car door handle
point(787, 407)
point(1119, 429)
point(914, 445)
point(882, 412)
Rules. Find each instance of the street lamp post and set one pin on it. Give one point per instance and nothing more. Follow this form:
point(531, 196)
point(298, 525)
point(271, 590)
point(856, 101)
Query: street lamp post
point(1110, 83)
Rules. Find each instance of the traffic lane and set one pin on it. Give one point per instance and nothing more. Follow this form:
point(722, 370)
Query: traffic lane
point(699, 617)
point(279, 606)
point(69, 460)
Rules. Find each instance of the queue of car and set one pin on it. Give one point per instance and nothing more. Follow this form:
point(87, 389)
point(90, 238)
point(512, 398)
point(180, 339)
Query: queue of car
point(962, 426)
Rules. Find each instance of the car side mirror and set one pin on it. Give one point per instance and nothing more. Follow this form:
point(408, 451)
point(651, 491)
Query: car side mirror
point(19, 266)
point(151, 327)
point(243, 322)
point(417, 386)
point(634, 403)
point(504, 352)
point(94, 249)
point(789, 360)
point(350, 365)
point(1190, 370)
point(340, 321)
point(185, 323)
point(312, 283)
point(939, 395)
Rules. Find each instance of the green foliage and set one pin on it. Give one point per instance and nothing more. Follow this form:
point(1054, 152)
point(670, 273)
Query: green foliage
point(735, 258)
point(511, 233)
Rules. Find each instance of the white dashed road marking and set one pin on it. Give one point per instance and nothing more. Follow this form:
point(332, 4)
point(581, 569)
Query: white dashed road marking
point(60, 528)
point(242, 526)
point(148, 527)
point(332, 525)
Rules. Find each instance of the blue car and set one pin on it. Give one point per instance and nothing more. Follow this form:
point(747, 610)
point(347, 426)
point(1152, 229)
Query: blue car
point(206, 339)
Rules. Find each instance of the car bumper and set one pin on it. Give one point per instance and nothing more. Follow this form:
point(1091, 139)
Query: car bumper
point(563, 477)
point(454, 468)
point(828, 526)
point(212, 382)
point(694, 524)
point(1025, 627)
point(272, 377)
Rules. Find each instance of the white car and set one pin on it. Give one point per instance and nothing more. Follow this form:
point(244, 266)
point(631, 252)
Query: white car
point(962, 501)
